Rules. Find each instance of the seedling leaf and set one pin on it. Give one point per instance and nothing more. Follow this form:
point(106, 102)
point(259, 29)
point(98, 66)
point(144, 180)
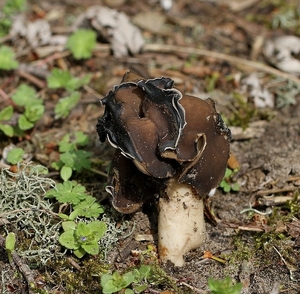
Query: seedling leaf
point(67, 240)
point(7, 58)
point(10, 242)
point(68, 142)
point(92, 248)
point(98, 228)
point(68, 192)
point(15, 155)
point(223, 286)
point(34, 112)
point(69, 226)
point(89, 207)
point(7, 130)
point(24, 123)
point(63, 79)
point(80, 252)
point(65, 105)
point(66, 172)
point(81, 43)
point(24, 95)
point(81, 158)
point(6, 113)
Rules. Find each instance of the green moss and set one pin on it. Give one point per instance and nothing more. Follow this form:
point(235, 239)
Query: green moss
point(86, 280)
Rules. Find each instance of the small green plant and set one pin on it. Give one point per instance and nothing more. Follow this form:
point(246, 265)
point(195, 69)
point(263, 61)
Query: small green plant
point(72, 159)
point(227, 183)
point(66, 104)
point(15, 155)
point(10, 8)
point(211, 81)
point(82, 238)
point(26, 97)
point(5, 115)
point(242, 112)
point(286, 18)
point(63, 79)
point(75, 194)
point(224, 286)
point(10, 242)
point(136, 279)
point(7, 58)
point(81, 43)
point(286, 93)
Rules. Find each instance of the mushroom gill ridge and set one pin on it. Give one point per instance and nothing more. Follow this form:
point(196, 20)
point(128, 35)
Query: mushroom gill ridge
point(143, 119)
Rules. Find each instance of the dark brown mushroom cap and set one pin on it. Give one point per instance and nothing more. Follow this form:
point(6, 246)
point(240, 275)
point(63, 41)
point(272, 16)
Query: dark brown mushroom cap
point(207, 136)
point(142, 120)
point(161, 133)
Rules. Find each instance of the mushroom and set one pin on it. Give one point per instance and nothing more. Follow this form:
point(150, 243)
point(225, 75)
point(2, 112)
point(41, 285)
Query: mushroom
point(167, 144)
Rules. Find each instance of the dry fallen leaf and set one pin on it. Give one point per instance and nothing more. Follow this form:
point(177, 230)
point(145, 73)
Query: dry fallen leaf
point(113, 26)
point(279, 52)
point(36, 33)
point(262, 97)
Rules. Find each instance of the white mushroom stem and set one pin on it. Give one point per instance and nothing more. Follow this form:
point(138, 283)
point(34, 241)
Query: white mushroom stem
point(181, 224)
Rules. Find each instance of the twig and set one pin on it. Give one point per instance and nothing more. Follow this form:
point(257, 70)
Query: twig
point(163, 48)
point(290, 267)
point(4, 95)
point(275, 191)
point(196, 290)
point(31, 78)
point(53, 57)
point(74, 263)
point(275, 200)
point(99, 172)
point(92, 91)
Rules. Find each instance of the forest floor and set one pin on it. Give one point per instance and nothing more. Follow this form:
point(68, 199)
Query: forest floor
point(213, 49)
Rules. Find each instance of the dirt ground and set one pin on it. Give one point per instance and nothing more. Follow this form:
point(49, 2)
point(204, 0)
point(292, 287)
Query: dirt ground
point(257, 230)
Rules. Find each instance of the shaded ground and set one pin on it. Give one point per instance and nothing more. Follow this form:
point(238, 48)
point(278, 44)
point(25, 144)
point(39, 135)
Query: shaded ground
point(260, 249)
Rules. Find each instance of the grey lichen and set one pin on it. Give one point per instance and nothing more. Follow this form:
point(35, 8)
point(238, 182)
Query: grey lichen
point(28, 214)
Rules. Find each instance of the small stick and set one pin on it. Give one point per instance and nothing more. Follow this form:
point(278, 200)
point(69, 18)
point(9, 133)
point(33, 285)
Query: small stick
point(4, 95)
point(40, 84)
point(92, 91)
point(202, 52)
point(275, 191)
point(99, 172)
point(290, 267)
point(74, 263)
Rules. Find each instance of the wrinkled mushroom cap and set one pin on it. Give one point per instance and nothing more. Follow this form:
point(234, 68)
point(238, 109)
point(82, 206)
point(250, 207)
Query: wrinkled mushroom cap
point(160, 133)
